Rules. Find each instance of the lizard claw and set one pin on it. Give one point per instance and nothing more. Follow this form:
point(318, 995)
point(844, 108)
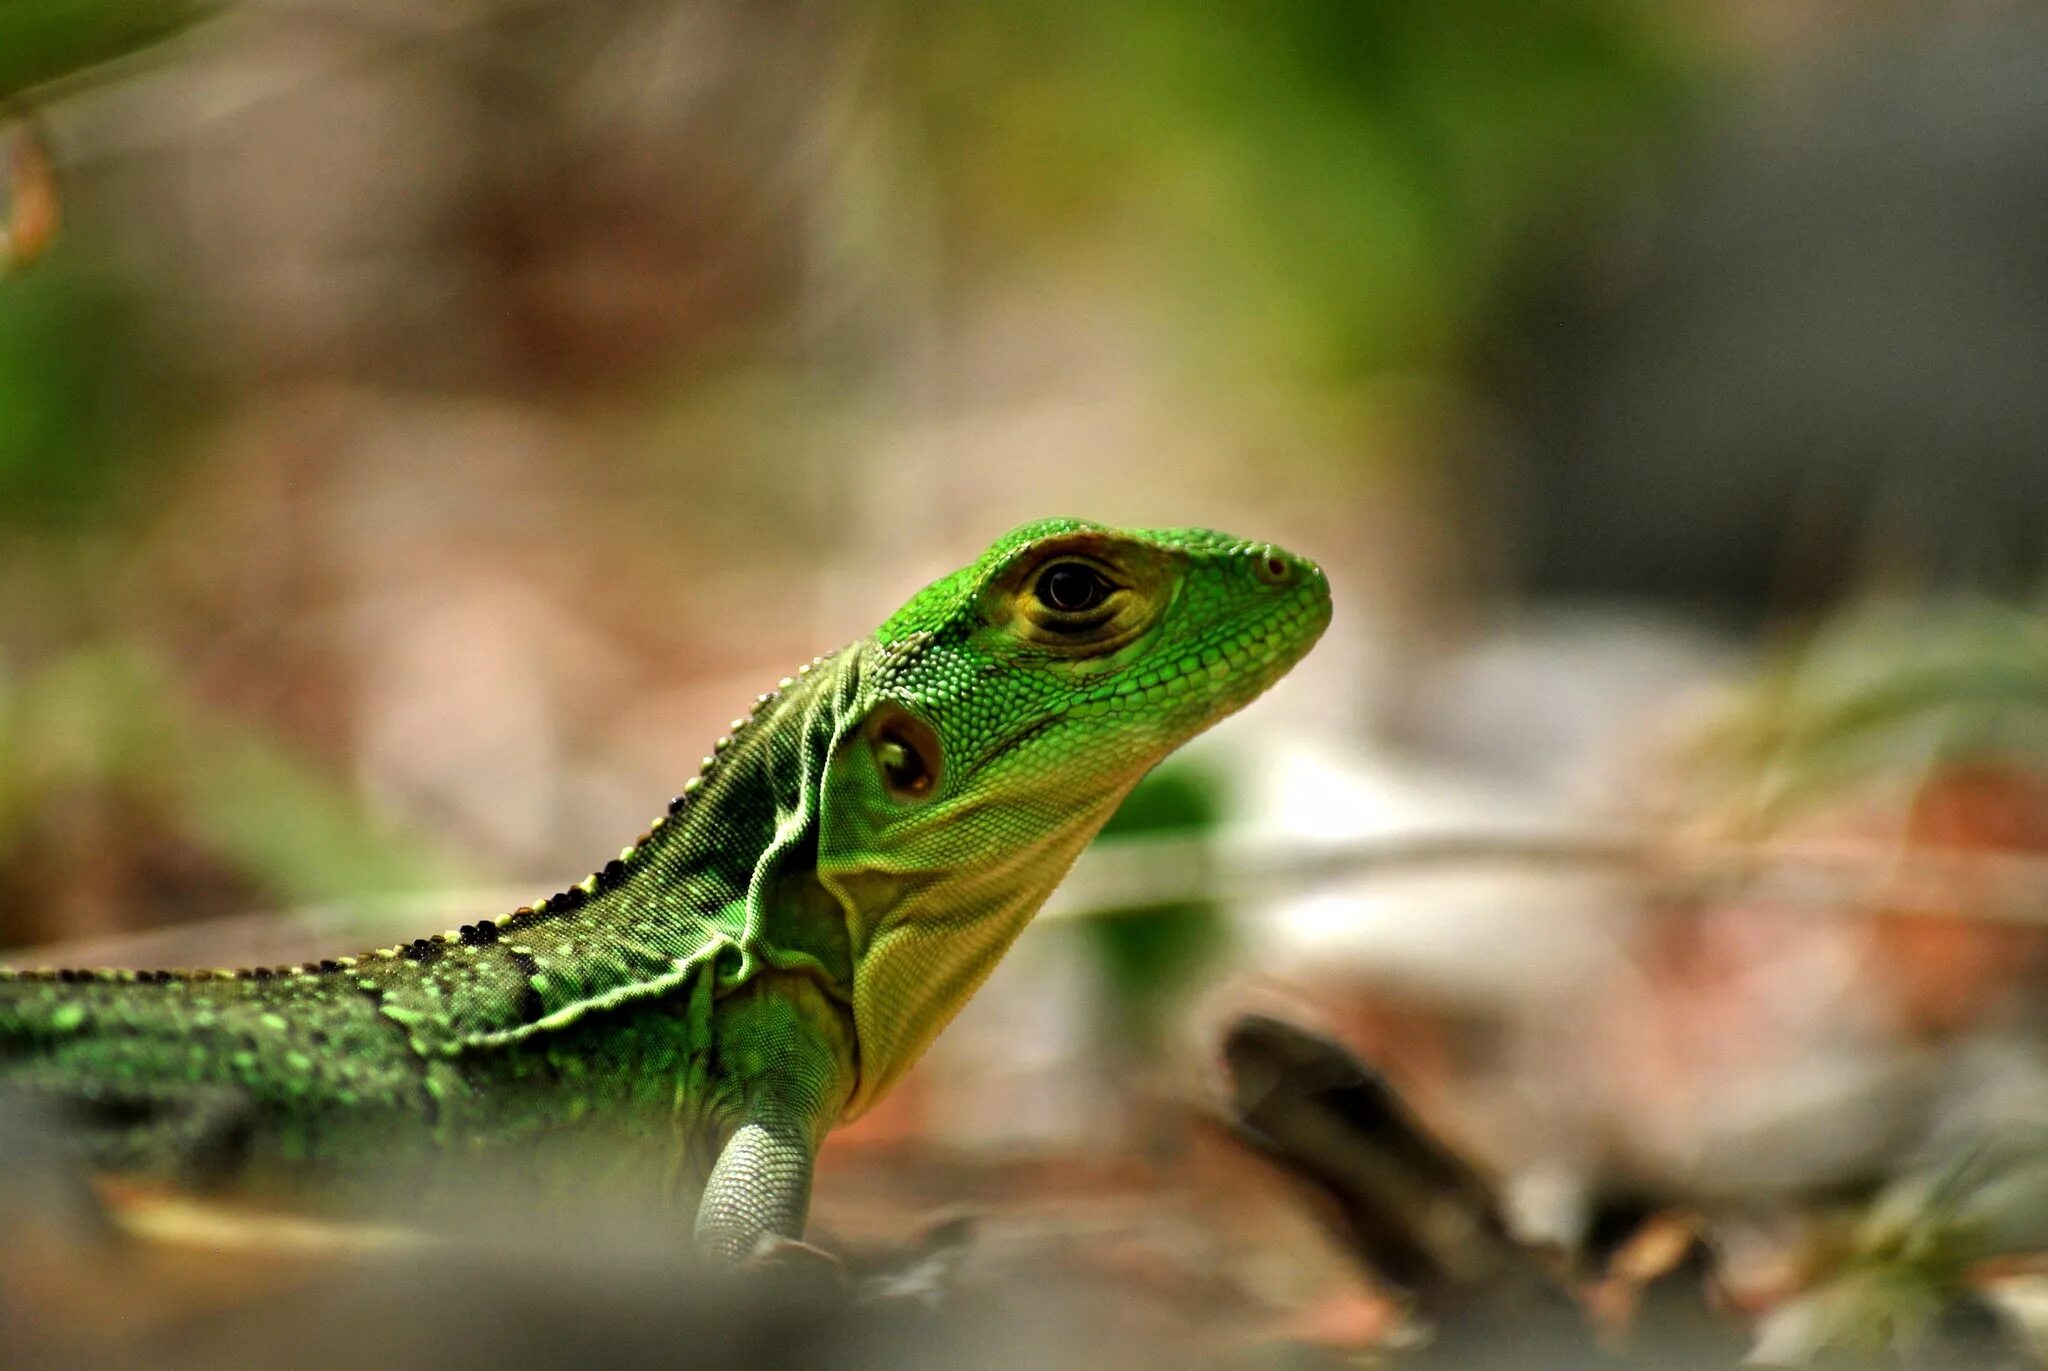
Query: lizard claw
point(802, 1268)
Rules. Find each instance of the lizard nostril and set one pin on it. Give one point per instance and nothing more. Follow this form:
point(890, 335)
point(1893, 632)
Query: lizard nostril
point(1274, 569)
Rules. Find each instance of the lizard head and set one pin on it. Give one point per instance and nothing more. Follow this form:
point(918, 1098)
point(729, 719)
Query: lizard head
point(1000, 717)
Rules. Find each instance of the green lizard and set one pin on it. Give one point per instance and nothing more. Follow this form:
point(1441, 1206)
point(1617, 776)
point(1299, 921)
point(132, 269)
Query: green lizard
point(762, 964)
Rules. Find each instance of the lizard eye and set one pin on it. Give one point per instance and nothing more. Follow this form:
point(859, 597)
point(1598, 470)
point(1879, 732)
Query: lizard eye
point(1071, 587)
point(906, 753)
point(1084, 596)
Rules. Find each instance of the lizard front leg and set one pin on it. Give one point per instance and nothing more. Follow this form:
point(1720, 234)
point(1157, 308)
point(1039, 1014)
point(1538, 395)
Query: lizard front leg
point(785, 1054)
point(760, 1188)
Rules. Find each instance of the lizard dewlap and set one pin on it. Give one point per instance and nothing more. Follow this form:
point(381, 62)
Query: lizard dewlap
point(770, 956)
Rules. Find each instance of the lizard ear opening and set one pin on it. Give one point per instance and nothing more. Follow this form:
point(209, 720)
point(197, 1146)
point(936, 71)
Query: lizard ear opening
point(906, 753)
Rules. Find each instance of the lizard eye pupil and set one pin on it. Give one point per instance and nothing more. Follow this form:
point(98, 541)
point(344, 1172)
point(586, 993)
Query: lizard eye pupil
point(1071, 587)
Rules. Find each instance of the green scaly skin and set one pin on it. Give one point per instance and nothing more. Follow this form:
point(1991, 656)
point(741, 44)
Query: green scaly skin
point(770, 957)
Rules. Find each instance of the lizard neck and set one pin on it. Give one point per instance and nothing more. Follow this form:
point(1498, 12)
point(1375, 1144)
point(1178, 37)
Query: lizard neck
point(737, 850)
point(719, 890)
point(727, 878)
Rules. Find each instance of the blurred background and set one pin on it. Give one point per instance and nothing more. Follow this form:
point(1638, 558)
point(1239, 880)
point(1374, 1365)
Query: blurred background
point(422, 428)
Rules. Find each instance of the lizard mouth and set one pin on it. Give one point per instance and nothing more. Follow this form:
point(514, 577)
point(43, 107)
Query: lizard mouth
point(1023, 734)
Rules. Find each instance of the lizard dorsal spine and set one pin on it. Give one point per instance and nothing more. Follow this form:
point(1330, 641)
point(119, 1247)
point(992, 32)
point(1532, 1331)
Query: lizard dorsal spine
point(667, 907)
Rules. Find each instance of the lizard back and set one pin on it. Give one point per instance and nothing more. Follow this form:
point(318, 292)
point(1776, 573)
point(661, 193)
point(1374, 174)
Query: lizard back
point(409, 1032)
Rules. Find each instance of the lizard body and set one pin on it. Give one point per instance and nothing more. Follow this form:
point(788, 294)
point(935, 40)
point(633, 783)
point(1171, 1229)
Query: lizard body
point(771, 956)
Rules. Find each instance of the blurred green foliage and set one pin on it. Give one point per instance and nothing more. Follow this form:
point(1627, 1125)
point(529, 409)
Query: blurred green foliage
point(85, 395)
point(1151, 955)
point(1324, 188)
point(91, 404)
point(47, 40)
point(1906, 1275)
point(85, 401)
point(114, 719)
point(1893, 691)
